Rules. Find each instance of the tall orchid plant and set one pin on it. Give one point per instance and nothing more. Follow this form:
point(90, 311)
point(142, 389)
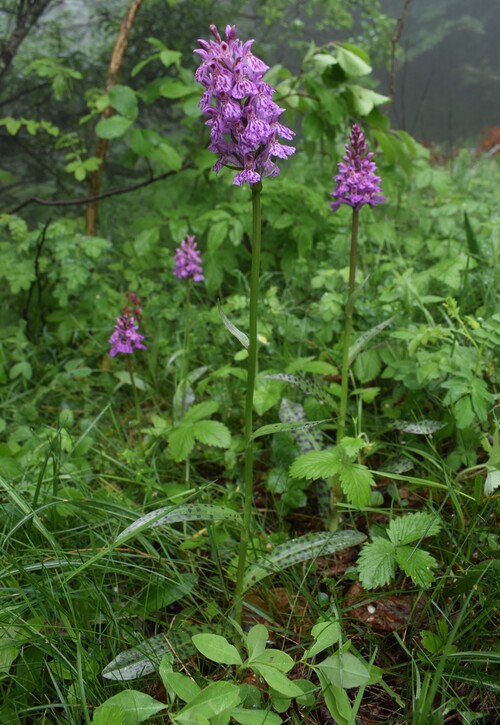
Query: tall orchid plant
point(244, 133)
point(188, 268)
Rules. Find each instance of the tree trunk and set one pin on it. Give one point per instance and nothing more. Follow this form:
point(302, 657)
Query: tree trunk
point(94, 179)
point(28, 12)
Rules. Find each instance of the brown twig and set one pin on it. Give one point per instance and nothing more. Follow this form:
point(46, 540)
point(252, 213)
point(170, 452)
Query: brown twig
point(396, 35)
point(97, 197)
point(94, 179)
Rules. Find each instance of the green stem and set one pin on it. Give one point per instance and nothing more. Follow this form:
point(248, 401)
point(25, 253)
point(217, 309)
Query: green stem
point(252, 372)
point(344, 389)
point(185, 367)
point(136, 401)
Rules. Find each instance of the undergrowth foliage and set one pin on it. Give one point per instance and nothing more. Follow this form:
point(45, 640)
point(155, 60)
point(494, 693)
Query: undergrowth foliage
point(270, 493)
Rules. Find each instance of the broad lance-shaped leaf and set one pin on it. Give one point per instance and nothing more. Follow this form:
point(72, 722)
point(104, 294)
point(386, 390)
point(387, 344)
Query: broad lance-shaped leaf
point(238, 334)
point(305, 385)
point(363, 339)
point(174, 514)
point(303, 548)
point(423, 427)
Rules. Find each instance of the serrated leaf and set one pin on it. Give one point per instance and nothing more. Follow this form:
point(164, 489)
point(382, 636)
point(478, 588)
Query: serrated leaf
point(217, 648)
point(137, 706)
point(200, 411)
point(376, 563)
point(317, 464)
point(412, 527)
point(212, 433)
point(417, 564)
point(303, 548)
point(181, 442)
point(344, 670)
point(174, 514)
point(356, 481)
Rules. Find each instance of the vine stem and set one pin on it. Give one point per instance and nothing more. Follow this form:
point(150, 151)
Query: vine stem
point(251, 375)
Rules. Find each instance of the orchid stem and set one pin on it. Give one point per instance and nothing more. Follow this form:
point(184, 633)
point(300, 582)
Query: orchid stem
point(252, 372)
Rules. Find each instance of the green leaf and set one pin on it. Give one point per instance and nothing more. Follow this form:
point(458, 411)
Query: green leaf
point(277, 680)
point(472, 242)
point(112, 715)
point(181, 685)
point(317, 464)
point(300, 549)
point(356, 481)
point(212, 433)
point(492, 481)
point(325, 635)
point(376, 563)
point(137, 706)
point(365, 100)
point(238, 334)
point(352, 65)
point(181, 442)
point(287, 427)
point(142, 141)
point(175, 513)
point(217, 648)
point(412, 527)
point(255, 717)
point(337, 701)
point(417, 564)
point(124, 100)
point(168, 156)
point(113, 127)
point(212, 701)
point(274, 658)
point(256, 640)
point(344, 670)
point(200, 411)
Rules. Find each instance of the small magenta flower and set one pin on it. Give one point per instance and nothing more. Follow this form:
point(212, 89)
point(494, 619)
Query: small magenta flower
point(243, 118)
point(126, 338)
point(188, 260)
point(357, 183)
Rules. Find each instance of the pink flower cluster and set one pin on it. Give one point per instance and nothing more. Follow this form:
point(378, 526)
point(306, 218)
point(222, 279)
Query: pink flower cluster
point(188, 260)
point(126, 338)
point(357, 183)
point(243, 118)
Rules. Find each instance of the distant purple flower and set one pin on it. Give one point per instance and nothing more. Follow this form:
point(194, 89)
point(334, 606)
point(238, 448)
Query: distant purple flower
point(357, 182)
point(243, 118)
point(188, 260)
point(126, 337)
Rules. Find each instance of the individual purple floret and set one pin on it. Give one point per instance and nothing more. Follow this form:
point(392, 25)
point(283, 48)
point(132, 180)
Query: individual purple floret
point(243, 118)
point(126, 337)
point(357, 182)
point(188, 260)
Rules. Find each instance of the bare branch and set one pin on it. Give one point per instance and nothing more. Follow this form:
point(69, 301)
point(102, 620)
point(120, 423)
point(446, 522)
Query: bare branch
point(28, 12)
point(97, 197)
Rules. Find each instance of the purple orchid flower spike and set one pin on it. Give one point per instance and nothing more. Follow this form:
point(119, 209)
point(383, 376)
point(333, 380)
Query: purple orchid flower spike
point(357, 183)
point(188, 260)
point(126, 338)
point(243, 118)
